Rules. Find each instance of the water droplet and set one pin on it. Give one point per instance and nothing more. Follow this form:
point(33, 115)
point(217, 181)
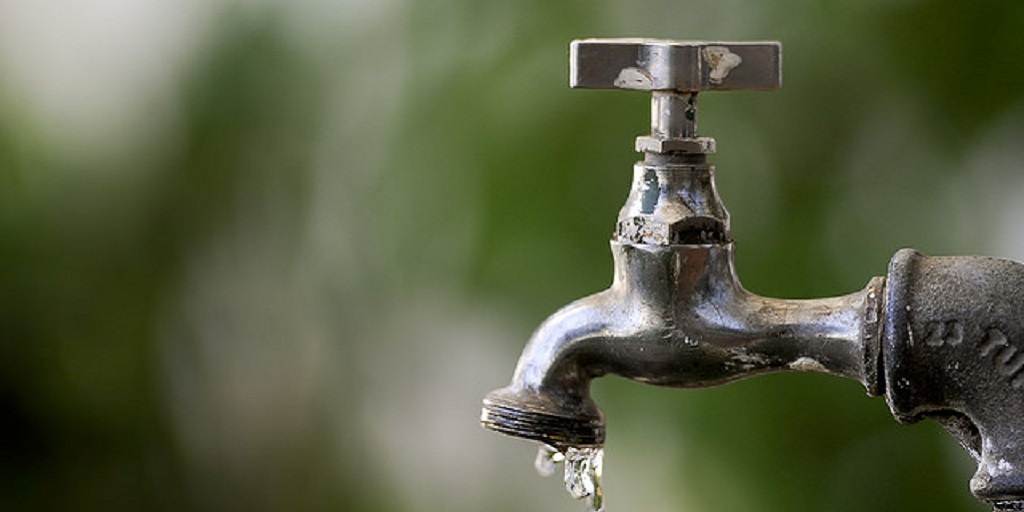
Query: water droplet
point(547, 458)
point(583, 474)
point(583, 467)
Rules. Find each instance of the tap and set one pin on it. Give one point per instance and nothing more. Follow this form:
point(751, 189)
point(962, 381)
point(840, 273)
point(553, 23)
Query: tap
point(941, 338)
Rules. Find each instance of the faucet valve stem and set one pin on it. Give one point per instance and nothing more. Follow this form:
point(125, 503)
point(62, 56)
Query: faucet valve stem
point(673, 115)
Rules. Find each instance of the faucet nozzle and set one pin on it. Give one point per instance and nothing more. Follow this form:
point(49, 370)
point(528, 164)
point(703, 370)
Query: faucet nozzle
point(538, 418)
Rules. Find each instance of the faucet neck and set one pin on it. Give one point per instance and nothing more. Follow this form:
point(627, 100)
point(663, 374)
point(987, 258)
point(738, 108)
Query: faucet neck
point(675, 276)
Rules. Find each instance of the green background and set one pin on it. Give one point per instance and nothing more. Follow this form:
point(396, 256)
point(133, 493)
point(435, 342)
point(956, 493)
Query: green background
point(271, 255)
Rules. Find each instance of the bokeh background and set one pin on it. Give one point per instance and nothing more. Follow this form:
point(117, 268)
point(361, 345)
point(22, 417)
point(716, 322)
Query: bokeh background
point(270, 255)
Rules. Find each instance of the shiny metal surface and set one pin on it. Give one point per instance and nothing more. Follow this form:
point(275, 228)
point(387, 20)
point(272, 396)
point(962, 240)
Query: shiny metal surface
point(674, 72)
point(940, 337)
point(673, 115)
point(673, 203)
point(663, 65)
point(677, 316)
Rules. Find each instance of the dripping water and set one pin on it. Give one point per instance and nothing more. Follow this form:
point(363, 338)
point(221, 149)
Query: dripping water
point(583, 466)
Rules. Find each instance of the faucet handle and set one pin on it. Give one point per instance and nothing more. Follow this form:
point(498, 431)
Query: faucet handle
point(683, 66)
point(674, 71)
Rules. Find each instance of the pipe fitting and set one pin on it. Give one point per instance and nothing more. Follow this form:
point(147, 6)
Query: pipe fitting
point(954, 352)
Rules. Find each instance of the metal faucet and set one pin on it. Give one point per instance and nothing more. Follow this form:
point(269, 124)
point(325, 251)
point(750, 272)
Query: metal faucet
point(941, 338)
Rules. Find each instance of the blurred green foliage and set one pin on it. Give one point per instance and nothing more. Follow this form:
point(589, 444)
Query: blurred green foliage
point(303, 189)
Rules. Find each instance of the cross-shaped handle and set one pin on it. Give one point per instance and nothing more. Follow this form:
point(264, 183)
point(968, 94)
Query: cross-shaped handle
point(683, 66)
point(674, 71)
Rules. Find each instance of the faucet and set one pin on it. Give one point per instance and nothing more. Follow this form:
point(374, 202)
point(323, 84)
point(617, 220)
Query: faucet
point(941, 338)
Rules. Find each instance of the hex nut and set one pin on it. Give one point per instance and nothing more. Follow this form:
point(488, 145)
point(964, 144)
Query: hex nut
point(698, 145)
point(691, 230)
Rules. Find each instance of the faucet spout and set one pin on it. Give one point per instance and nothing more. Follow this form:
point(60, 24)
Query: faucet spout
point(549, 397)
point(675, 316)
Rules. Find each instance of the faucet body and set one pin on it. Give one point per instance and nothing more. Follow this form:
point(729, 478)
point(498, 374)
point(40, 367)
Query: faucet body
point(940, 337)
point(676, 315)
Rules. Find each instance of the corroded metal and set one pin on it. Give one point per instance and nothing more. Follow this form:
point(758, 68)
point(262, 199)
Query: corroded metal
point(940, 337)
point(954, 352)
point(675, 316)
point(665, 65)
point(674, 72)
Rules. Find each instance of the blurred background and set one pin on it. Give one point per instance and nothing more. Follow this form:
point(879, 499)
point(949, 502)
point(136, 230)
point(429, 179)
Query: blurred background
point(270, 255)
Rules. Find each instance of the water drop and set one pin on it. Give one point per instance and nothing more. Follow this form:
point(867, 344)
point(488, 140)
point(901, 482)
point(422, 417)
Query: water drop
point(547, 458)
point(582, 475)
point(583, 467)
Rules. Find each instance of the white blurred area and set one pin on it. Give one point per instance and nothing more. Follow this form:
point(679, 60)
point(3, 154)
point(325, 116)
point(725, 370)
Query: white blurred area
point(297, 338)
point(97, 72)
